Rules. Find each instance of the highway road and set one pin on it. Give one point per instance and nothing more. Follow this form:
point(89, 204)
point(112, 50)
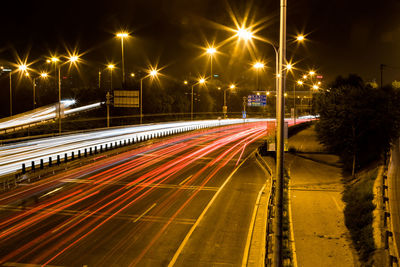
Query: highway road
point(182, 200)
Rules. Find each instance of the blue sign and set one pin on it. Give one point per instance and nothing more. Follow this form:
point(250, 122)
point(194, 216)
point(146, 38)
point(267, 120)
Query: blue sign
point(256, 100)
point(244, 114)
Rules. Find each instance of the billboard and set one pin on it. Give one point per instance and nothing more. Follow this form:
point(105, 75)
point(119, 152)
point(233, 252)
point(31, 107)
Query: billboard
point(256, 100)
point(126, 99)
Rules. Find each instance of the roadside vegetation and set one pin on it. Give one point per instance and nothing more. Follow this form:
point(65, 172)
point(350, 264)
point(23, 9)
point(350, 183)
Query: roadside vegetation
point(359, 123)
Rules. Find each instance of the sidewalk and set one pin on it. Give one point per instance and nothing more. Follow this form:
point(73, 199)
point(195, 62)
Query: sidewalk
point(320, 235)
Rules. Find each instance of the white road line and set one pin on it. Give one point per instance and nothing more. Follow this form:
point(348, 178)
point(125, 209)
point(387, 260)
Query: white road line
point(185, 240)
point(251, 228)
point(144, 213)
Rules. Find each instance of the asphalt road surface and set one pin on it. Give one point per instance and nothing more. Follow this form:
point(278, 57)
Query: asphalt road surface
point(180, 201)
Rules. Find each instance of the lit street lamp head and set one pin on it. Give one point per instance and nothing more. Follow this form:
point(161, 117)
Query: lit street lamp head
point(111, 66)
point(122, 34)
point(73, 58)
point(311, 72)
point(315, 87)
point(232, 86)
point(258, 65)
point(185, 82)
point(300, 38)
point(299, 82)
point(211, 51)
point(54, 59)
point(244, 34)
point(153, 73)
point(202, 80)
point(22, 67)
point(43, 74)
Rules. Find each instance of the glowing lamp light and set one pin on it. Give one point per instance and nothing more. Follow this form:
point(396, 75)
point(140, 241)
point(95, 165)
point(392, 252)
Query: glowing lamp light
point(232, 86)
point(122, 34)
point(43, 74)
point(258, 65)
point(312, 72)
point(300, 38)
point(111, 66)
point(185, 82)
point(244, 34)
point(315, 87)
point(304, 76)
point(54, 59)
point(289, 66)
point(153, 73)
point(73, 58)
point(211, 51)
point(132, 74)
point(22, 67)
point(202, 80)
point(300, 82)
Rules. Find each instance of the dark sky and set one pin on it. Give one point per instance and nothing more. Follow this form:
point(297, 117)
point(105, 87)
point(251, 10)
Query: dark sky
point(345, 36)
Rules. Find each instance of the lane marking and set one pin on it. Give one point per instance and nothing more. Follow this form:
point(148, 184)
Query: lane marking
point(185, 180)
point(74, 219)
point(144, 213)
point(185, 240)
point(251, 228)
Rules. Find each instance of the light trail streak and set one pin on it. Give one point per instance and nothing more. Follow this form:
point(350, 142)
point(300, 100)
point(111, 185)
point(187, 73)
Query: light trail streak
point(178, 158)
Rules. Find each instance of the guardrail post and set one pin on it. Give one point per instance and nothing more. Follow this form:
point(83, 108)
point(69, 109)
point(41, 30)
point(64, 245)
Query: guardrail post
point(101, 148)
point(85, 152)
point(120, 143)
point(72, 155)
point(125, 142)
point(65, 158)
point(23, 168)
point(385, 218)
point(106, 147)
point(116, 144)
point(58, 160)
point(32, 165)
point(387, 235)
point(41, 164)
point(79, 153)
point(50, 162)
point(95, 149)
point(90, 151)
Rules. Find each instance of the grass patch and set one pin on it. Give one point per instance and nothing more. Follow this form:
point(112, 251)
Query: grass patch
point(358, 196)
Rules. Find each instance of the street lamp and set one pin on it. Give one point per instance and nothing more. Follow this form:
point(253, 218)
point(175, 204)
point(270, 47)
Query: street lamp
point(111, 67)
point(42, 75)
point(225, 107)
point(123, 35)
point(200, 81)
point(258, 66)
point(72, 59)
point(152, 73)
point(211, 51)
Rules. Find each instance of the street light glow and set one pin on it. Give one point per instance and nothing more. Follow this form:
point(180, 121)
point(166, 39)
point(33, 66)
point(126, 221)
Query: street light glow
point(185, 82)
point(122, 34)
point(232, 86)
point(299, 82)
point(73, 58)
point(315, 87)
point(43, 74)
point(111, 66)
point(153, 73)
point(132, 74)
point(312, 72)
point(300, 38)
point(244, 34)
point(211, 51)
point(54, 59)
point(304, 76)
point(22, 67)
point(289, 66)
point(202, 80)
point(258, 65)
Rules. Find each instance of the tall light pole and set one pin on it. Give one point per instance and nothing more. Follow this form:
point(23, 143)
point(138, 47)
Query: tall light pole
point(108, 96)
point(258, 66)
point(152, 74)
point(123, 35)
point(225, 107)
point(200, 81)
point(211, 51)
point(42, 75)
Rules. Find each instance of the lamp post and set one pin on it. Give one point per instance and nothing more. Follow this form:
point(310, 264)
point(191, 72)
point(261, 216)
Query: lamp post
point(225, 107)
point(152, 74)
point(201, 81)
point(211, 51)
point(123, 35)
point(42, 75)
point(258, 66)
point(72, 59)
point(108, 95)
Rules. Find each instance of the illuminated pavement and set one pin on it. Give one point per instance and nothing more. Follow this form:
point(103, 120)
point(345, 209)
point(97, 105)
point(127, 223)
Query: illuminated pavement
point(141, 207)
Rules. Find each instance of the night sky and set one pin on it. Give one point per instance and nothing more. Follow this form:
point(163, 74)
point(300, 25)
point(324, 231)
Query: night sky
point(344, 36)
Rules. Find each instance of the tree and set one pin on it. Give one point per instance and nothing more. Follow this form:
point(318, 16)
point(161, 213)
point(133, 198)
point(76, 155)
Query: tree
point(357, 122)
